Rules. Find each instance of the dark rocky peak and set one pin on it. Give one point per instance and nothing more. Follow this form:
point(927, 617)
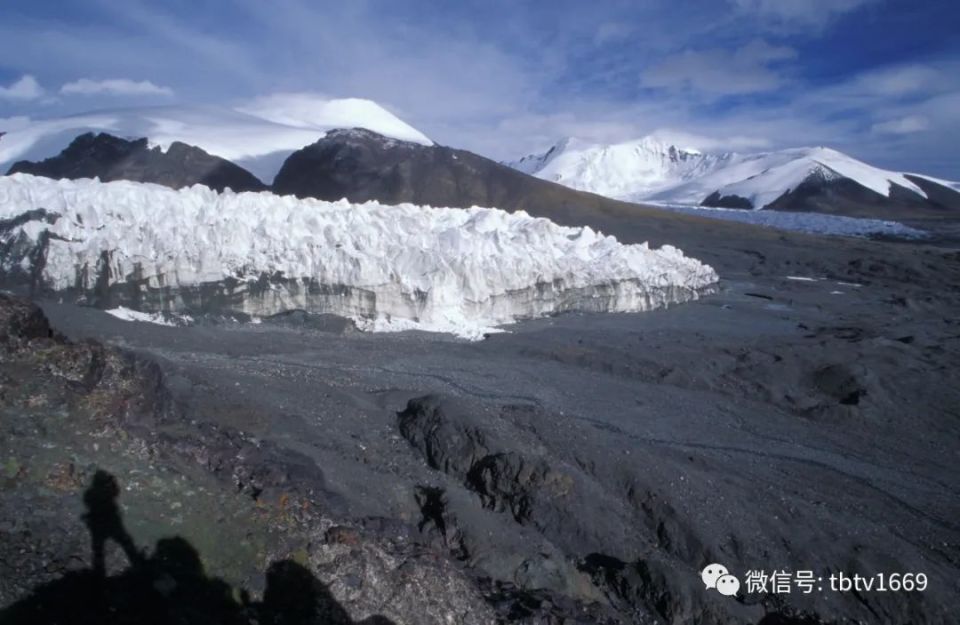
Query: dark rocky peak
point(104, 156)
point(99, 147)
point(362, 135)
point(361, 165)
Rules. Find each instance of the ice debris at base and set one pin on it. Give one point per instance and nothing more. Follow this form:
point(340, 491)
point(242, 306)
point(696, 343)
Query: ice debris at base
point(443, 269)
point(159, 319)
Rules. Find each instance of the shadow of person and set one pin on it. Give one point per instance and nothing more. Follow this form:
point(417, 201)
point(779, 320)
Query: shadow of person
point(168, 586)
point(104, 521)
point(295, 597)
point(187, 594)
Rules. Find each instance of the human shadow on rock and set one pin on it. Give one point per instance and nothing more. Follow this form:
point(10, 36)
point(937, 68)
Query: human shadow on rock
point(168, 585)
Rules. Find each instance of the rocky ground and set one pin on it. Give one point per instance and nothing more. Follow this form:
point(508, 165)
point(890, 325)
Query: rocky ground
point(579, 469)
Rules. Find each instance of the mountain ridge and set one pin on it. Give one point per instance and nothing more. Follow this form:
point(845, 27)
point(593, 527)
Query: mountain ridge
point(257, 136)
point(651, 169)
point(361, 164)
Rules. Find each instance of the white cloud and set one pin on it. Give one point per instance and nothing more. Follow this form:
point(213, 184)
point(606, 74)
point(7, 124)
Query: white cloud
point(798, 14)
point(747, 69)
point(687, 139)
point(118, 86)
point(528, 134)
point(902, 125)
point(886, 93)
point(898, 81)
point(27, 88)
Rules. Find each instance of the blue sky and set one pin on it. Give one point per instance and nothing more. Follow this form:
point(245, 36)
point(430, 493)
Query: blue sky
point(879, 79)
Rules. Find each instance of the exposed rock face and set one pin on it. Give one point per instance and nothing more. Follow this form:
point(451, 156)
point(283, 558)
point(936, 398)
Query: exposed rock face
point(937, 194)
point(111, 158)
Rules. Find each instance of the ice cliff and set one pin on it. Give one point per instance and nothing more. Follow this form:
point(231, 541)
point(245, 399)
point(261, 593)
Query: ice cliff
point(194, 250)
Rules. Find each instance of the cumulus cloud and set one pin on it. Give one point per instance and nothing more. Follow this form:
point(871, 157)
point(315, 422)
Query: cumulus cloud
point(27, 88)
point(118, 86)
point(798, 14)
point(748, 69)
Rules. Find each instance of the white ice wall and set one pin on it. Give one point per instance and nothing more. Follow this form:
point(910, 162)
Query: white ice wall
point(442, 268)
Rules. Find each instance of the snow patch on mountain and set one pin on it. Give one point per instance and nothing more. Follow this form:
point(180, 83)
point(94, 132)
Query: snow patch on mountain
point(444, 269)
point(257, 136)
point(652, 169)
point(305, 110)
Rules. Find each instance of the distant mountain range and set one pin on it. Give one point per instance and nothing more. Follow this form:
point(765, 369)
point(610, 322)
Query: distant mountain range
point(812, 179)
point(328, 149)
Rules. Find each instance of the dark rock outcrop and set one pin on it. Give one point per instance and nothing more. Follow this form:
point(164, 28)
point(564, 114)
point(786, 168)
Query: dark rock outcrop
point(111, 158)
point(717, 200)
point(552, 499)
point(937, 194)
point(21, 322)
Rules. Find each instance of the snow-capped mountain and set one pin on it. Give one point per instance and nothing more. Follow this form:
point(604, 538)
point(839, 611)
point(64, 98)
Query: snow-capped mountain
point(649, 169)
point(152, 248)
point(628, 171)
point(257, 136)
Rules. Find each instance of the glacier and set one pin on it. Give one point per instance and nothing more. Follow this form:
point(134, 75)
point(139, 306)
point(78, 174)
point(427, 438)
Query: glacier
point(810, 223)
point(191, 251)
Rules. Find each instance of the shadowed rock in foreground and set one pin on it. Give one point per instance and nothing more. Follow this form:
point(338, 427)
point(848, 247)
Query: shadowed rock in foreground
point(70, 554)
point(169, 585)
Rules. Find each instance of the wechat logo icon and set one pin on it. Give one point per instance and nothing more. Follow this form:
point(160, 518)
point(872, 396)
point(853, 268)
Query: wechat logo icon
point(717, 577)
